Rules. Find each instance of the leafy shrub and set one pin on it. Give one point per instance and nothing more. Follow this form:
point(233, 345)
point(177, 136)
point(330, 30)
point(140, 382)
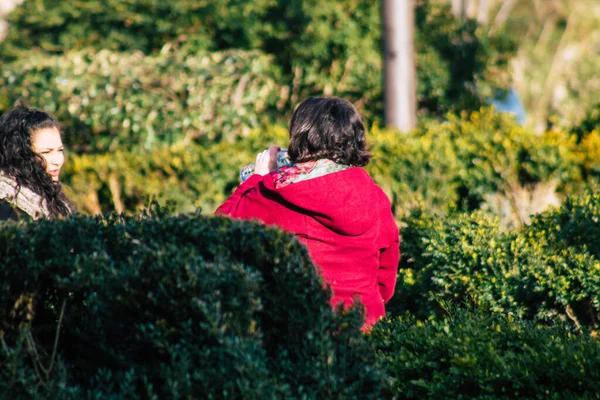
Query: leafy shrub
point(567, 274)
point(187, 177)
point(172, 307)
point(495, 153)
point(108, 101)
point(415, 168)
point(548, 272)
point(462, 258)
point(474, 355)
point(327, 47)
point(476, 160)
point(507, 169)
point(462, 163)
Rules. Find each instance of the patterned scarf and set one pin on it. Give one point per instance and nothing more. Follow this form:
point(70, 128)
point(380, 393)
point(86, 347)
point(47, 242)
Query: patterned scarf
point(24, 199)
point(294, 173)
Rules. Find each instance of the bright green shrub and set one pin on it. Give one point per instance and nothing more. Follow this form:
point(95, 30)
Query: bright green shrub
point(481, 159)
point(506, 169)
point(461, 259)
point(414, 168)
point(495, 153)
point(479, 356)
point(187, 177)
point(172, 307)
point(108, 101)
point(466, 161)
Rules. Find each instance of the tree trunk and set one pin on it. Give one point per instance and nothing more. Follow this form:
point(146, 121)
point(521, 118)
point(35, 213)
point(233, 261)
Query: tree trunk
point(483, 12)
point(400, 76)
point(459, 8)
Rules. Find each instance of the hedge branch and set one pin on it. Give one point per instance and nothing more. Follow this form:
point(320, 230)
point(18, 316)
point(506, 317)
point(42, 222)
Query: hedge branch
point(35, 356)
point(573, 317)
point(55, 348)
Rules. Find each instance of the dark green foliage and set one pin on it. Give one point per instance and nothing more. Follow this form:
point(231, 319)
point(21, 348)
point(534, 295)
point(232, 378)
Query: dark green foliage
point(478, 356)
point(327, 47)
point(172, 307)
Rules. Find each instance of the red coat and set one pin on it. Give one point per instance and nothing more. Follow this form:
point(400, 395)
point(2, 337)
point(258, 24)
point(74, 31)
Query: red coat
point(346, 222)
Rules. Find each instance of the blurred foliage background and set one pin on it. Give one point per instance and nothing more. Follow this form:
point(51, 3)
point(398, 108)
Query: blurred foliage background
point(555, 67)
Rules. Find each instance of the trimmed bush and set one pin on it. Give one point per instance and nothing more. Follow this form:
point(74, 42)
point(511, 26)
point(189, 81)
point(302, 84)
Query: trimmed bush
point(548, 272)
point(186, 177)
point(479, 356)
point(462, 259)
point(172, 307)
point(416, 168)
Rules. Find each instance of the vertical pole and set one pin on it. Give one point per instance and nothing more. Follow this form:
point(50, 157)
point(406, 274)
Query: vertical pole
point(400, 76)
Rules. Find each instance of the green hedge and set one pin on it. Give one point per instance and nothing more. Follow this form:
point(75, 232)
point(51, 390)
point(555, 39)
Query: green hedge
point(172, 307)
point(108, 101)
point(548, 271)
point(462, 258)
point(478, 356)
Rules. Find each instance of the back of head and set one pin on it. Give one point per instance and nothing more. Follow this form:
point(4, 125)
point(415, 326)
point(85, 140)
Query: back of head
point(328, 127)
point(18, 161)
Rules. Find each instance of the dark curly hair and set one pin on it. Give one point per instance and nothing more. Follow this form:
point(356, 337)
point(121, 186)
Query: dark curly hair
point(328, 127)
point(20, 162)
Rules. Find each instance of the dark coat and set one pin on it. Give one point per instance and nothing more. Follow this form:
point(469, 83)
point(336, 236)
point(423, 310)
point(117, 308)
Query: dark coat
point(8, 212)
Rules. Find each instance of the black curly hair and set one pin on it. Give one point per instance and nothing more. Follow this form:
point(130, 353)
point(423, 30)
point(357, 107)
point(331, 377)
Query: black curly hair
point(19, 161)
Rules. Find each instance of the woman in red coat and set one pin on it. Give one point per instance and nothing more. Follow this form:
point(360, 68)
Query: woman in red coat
point(329, 202)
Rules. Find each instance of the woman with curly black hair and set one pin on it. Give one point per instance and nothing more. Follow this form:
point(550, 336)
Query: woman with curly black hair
point(31, 157)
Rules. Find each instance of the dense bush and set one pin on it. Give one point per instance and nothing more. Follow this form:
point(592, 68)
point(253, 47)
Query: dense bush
point(479, 160)
point(322, 47)
point(171, 307)
point(461, 259)
point(566, 276)
point(187, 177)
point(110, 101)
point(478, 356)
point(415, 168)
point(549, 271)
